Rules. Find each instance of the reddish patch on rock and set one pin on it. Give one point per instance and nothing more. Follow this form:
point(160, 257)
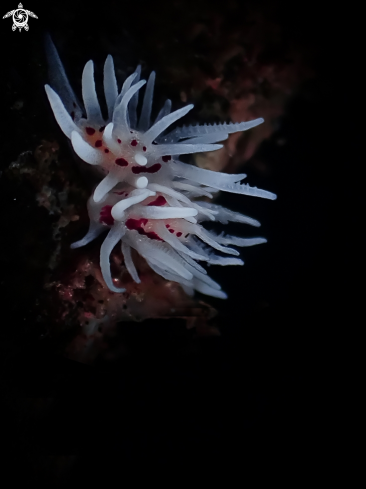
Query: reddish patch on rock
point(160, 200)
point(106, 215)
point(90, 131)
point(121, 162)
point(166, 158)
point(98, 143)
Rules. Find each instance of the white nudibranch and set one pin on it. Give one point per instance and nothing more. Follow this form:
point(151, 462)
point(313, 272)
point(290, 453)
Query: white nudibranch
point(145, 199)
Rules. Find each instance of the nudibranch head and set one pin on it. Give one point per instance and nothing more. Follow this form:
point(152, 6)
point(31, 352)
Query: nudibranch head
point(145, 197)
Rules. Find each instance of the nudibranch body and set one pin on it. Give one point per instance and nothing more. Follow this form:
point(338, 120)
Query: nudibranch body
point(146, 196)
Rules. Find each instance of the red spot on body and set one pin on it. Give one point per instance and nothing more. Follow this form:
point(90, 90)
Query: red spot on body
point(119, 140)
point(106, 215)
point(106, 150)
point(136, 224)
point(134, 142)
point(158, 201)
point(166, 158)
point(171, 231)
point(167, 225)
point(154, 168)
point(140, 169)
point(101, 129)
point(144, 148)
point(90, 131)
point(153, 235)
point(121, 162)
point(98, 143)
point(179, 234)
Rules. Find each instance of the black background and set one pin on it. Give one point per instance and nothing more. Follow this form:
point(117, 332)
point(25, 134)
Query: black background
point(279, 374)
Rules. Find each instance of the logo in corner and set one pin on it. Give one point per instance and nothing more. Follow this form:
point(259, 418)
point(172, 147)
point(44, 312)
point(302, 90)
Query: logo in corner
point(20, 17)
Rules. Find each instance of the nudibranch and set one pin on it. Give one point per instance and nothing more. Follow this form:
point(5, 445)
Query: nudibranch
point(147, 197)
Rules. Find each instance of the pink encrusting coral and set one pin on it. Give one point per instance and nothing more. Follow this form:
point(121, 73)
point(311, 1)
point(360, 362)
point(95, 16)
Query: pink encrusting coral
point(145, 196)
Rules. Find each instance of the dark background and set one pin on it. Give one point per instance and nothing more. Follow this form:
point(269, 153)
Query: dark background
point(278, 372)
